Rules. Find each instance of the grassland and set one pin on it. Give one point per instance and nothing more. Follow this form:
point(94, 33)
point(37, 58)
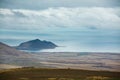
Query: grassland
point(57, 74)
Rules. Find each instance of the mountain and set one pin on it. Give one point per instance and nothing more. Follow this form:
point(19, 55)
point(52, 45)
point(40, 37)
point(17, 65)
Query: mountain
point(12, 58)
point(7, 50)
point(36, 45)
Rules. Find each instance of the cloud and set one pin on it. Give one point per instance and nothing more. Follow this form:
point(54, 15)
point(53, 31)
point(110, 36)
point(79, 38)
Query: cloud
point(81, 17)
point(45, 4)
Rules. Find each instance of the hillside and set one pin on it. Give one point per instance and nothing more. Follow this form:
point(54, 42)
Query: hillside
point(7, 50)
point(12, 58)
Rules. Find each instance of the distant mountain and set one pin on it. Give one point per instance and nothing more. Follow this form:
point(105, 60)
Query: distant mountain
point(36, 45)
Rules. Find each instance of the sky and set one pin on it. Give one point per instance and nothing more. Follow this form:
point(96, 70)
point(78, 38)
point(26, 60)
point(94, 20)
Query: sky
point(97, 19)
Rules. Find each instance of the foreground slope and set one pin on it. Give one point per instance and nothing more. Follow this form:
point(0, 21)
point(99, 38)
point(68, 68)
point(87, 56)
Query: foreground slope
point(57, 74)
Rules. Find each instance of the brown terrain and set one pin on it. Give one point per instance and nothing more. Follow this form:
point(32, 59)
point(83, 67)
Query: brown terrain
point(12, 58)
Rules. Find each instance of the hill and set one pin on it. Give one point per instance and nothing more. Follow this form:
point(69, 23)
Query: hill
point(36, 45)
point(8, 50)
point(12, 58)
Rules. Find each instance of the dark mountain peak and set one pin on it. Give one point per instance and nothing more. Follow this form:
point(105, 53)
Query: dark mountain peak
point(36, 45)
point(33, 41)
point(36, 40)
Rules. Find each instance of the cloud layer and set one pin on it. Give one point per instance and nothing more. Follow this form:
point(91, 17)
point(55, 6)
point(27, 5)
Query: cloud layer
point(81, 17)
point(44, 4)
